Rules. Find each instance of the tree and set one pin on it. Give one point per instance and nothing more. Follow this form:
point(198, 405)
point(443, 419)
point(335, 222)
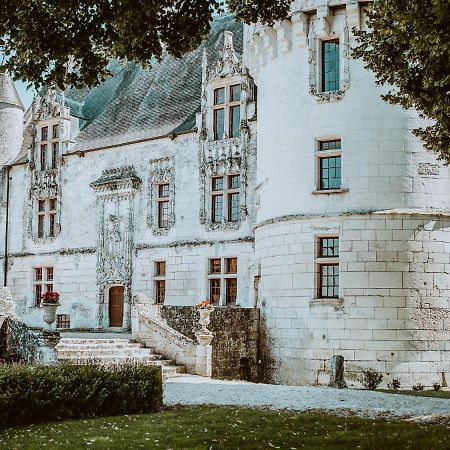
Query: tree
point(408, 46)
point(70, 42)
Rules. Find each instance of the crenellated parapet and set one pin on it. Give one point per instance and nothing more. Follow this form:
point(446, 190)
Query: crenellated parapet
point(310, 24)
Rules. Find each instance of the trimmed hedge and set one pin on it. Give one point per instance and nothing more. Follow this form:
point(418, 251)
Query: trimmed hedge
point(32, 394)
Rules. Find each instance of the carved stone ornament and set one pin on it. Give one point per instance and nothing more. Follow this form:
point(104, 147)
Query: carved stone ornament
point(115, 191)
point(320, 27)
point(49, 106)
point(160, 171)
point(229, 63)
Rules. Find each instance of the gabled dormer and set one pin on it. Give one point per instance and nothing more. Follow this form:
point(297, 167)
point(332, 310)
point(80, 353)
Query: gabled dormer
point(228, 101)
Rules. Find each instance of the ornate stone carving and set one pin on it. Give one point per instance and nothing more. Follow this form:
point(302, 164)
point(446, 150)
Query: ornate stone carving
point(115, 194)
point(45, 184)
point(49, 106)
point(161, 171)
point(228, 64)
point(428, 169)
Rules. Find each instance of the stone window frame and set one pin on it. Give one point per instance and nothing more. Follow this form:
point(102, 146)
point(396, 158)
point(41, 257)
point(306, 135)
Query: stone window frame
point(50, 220)
point(320, 154)
point(224, 278)
point(315, 60)
point(225, 192)
point(162, 171)
point(321, 261)
point(225, 83)
point(159, 279)
point(38, 285)
point(52, 157)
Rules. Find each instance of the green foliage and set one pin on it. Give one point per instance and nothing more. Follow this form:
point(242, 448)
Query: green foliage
point(371, 378)
point(41, 393)
point(209, 427)
point(38, 36)
point(408, 47)
point(436, 386)
point(394, 384)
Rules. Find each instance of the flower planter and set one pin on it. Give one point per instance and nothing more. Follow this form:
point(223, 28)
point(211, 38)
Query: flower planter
point(50, 312)
point(204, 317)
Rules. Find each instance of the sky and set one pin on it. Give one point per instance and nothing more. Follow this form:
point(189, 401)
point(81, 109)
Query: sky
point(25, 95)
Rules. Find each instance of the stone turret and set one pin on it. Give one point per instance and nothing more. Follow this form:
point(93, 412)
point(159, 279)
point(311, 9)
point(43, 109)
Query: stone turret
point(11, 120)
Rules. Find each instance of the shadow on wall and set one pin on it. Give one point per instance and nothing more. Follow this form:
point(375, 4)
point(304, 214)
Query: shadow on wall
point(241, 350)
point(17, 342)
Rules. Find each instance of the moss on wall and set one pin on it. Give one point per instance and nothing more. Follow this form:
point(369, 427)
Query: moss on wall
point(239, 345)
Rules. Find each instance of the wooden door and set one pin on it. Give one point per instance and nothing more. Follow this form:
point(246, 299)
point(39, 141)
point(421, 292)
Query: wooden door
point(116, 297)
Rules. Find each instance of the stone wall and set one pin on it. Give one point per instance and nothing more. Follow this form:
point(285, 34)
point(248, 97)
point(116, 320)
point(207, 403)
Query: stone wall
point(239, 348)
point(17, 342)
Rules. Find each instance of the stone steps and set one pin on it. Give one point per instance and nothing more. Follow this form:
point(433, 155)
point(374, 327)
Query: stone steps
point(113, 351)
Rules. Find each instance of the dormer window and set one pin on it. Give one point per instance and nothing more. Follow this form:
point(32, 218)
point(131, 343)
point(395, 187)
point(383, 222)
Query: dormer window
point(226, 111)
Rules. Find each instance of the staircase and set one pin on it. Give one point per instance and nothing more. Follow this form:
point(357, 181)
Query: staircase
point(113, 351)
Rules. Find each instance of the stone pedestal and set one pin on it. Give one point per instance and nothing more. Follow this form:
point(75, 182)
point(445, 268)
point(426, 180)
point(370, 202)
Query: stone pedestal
point(337, 372)
point(48, 354)
point(203, 360)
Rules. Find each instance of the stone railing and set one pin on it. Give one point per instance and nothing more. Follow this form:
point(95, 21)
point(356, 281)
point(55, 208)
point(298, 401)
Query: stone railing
point(150, 328)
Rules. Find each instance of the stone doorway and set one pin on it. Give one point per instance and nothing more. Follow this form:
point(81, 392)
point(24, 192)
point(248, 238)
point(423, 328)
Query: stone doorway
point(116, 301)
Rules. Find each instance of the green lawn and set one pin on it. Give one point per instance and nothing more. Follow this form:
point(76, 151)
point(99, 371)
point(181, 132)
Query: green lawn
point(228, 428)
point(435, 394)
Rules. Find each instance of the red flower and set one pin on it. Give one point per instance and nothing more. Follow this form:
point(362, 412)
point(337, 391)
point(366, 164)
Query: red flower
point(50, 297)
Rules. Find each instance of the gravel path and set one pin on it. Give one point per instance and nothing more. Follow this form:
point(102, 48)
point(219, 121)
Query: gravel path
point(194, 390)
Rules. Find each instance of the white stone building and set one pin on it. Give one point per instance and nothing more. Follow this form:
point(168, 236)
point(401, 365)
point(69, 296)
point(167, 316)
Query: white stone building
point(307, 198)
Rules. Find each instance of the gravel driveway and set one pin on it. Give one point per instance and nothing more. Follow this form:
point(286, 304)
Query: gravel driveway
point(194, 390)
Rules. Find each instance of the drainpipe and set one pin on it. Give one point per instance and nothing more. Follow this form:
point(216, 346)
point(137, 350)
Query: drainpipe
point(5, 259)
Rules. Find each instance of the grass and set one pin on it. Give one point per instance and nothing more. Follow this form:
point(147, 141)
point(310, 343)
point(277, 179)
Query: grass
point(435, 394)
point(228, 428)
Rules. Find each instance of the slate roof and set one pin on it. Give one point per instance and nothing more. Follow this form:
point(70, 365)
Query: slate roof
point(8, 91)
point(136, 103)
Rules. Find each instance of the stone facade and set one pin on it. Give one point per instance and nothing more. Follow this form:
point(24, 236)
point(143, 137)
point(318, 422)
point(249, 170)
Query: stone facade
point(119, 143)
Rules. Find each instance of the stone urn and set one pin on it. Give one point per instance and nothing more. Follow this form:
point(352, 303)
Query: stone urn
point(204, 317)
point(50, 312)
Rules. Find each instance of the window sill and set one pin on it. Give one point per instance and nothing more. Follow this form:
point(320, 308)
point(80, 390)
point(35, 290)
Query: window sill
point(337, 303)
point(327, 96)
point(330, 191)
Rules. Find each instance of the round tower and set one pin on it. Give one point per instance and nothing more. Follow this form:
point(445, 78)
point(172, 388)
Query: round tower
point(353, 219)
point(11, 120)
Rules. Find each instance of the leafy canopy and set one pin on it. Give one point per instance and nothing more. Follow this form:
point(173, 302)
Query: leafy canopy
point(69, 42)
point(408, 46)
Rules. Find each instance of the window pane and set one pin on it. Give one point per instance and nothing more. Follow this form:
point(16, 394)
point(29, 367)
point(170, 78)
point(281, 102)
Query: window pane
point(217, 184)
point(51, 224)
point(49, 288)
point(330, 65)
point(38, 274)
point(55, 132)
point(54, 154)
point(234, 181)
point(217, 208)
point(37, 294)
point(49, 273)
point(330, 145)
point(235, 93)
point(231, 292)
point(43, 156)
point(235, 121)
point(163, 214)
point(214, 291)
point(329, 247)
point(41, 205)
point(329, 281)
point(160, 288)
point(44, 133)
point(231, 265)
point(163, 190)
point(233, 207)
point(330, 173)
point(218, 124)
point(52, 202)
point(219, 96)
point(160, 268)
point(41, 226)
point(215, 266)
